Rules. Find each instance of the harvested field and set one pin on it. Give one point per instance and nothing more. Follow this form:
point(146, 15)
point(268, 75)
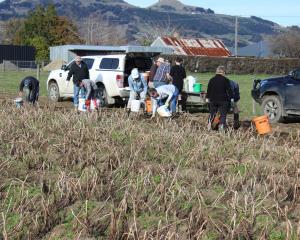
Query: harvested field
point(66, 175)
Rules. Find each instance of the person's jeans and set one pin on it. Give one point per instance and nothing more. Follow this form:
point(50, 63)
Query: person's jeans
point(221, 107)
point(173, 101)
point(158, 83)
point(76, 95)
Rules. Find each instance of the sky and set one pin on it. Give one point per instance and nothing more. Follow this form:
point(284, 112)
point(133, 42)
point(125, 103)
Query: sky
point(285, 13)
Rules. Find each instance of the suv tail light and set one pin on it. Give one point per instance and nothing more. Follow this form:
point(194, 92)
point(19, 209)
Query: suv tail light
point(120, 81)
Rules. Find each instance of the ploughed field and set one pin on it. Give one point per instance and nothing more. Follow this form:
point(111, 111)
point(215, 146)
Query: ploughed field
point(66, 175)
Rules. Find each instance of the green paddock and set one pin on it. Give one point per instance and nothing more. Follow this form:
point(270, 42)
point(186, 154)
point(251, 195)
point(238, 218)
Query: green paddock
point(9, 82)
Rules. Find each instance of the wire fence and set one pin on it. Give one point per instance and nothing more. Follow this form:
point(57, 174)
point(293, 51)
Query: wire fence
point(12, 72)
point(12, 65)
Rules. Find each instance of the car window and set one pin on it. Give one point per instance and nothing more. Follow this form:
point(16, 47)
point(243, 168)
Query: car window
point(143, 64)
point(89, 62)
point(109, 63)
point(69, 65)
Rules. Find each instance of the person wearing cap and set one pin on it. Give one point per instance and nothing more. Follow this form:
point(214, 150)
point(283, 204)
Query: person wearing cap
point(29, 88)
point(79, 70)
point(162, 73)
point(219, 95)
point(164, 95)
point(91, 92)
point(138, 87)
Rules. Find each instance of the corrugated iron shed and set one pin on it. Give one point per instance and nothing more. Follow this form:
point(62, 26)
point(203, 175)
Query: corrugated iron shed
point(68, 52)
point(195, 46)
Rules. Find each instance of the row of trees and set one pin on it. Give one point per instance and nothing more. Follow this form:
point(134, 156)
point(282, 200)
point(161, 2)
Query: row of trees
point(287, 44)
point(42, 28)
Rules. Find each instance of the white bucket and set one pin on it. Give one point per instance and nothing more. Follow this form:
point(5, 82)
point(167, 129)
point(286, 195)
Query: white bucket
point(135, 105)
point(163, 111)
point(186, 85)
point(191, 81)
point(93, 106)
point(81, 105)
point(18, 102)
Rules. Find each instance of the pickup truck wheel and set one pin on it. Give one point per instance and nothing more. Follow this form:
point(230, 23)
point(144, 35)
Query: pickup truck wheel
point(53, 92)
point(272, 107)
point(102, 95)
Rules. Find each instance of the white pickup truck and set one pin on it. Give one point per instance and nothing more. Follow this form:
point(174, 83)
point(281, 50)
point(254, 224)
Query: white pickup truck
point(110, 72)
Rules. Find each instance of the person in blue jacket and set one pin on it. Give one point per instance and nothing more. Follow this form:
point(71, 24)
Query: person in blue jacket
point(138, 87)
point(236, 97)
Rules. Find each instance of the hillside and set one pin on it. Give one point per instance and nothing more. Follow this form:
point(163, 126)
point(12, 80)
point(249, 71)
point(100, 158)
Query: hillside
point(130, 21)
point(177, 6)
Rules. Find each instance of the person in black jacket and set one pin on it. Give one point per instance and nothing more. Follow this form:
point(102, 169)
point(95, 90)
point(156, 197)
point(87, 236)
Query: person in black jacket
point(30, 87)
point(79, 70)
point(178, 74)
point(219, 95)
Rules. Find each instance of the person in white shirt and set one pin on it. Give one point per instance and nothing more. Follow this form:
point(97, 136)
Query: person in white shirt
point(164, 95)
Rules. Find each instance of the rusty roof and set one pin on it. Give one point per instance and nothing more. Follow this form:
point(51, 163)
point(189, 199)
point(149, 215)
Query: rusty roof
point(197, 46)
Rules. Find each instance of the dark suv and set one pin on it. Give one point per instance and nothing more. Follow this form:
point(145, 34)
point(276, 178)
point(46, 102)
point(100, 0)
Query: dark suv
point(279, 97)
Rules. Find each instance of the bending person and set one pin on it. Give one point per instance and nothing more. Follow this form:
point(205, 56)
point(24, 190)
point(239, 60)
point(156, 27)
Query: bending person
point(164, 95)
point(30, 88)
point(91, 92)
point(138, 87)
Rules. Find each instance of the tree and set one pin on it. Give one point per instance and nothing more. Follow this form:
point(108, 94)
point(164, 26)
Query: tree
point(155, 30)
point(287, 44)
point(42, 49)
point(11, 31)
point(65, 32)
point(98, 31)
point(42, 28)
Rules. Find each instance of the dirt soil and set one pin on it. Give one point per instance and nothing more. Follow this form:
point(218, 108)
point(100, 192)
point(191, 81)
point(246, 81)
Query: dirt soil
point(291, 125)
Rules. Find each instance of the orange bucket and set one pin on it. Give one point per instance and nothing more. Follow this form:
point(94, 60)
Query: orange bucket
point(148, 106)
point(262, 124)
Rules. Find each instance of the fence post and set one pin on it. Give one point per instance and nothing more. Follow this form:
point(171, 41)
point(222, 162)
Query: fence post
point(3, 65)
point(38, 71)
point(253, 107)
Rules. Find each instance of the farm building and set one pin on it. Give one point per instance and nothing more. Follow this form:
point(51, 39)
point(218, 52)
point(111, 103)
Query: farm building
point(194, 46)
point(67, 52)
point(16, 53)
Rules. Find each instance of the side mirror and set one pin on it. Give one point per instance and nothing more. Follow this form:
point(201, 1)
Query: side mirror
point(63, 67)
point(292, 74)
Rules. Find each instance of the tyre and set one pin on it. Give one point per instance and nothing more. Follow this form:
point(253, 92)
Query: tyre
point(53, 92)
point(272, 107)
point(102, 96)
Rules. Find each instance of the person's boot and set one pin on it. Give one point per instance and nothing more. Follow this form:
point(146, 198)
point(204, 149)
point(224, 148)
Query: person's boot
point(236, 121)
